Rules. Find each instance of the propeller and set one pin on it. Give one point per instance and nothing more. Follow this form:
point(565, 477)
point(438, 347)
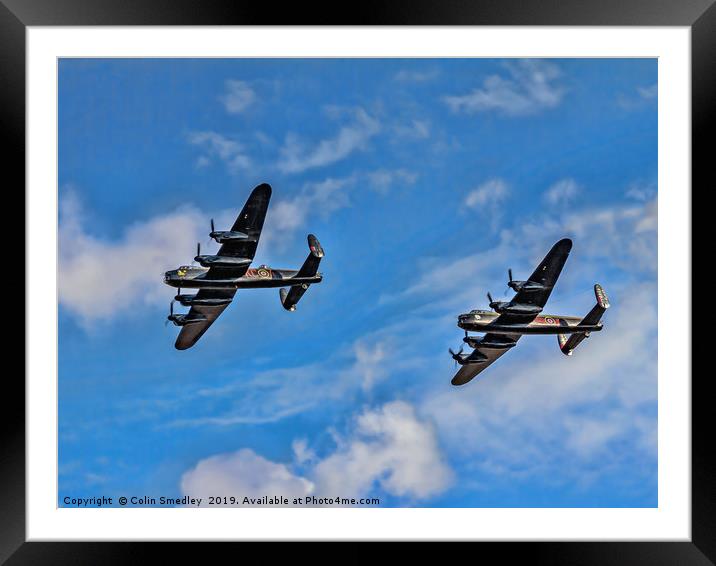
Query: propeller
point(494, 305)
point(509, 274)
point(455, 355)
point(212, 231)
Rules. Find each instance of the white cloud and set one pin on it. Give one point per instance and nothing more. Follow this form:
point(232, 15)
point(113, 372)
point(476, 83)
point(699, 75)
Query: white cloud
point(648, 92)
point(370, 362)
point(390, 448)
point(242, 474)
point(296, 157)
point(98, 278)
point(489, 194)
point(487, 198)
point(530, 88)
point(301, 452)
point(562, 192)
point(382, 180)
point(641, 191)
point(216, 145)
point(238, 97)
point(644, 97)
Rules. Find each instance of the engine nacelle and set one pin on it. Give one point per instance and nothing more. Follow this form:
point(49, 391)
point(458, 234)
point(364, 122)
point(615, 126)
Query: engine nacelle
point(518, 309)
point(221, 261)
point(191, 300)
point(224, 236)
point(184, 319)
point(475, 342)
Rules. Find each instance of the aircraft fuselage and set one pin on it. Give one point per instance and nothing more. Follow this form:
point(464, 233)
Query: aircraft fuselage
point(485, 321)
point(262, 277)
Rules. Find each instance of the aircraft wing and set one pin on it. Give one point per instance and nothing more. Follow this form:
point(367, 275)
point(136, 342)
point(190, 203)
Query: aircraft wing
point(190, 333)
point(250, 221)
point(546, 274)
point(469, 371)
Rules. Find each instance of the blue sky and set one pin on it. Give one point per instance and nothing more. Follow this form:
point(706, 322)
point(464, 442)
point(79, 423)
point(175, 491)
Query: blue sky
point(424, 180)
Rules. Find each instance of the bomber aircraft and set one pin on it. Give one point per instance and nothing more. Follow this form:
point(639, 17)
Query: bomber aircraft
point(523, 315)
point(219, 276)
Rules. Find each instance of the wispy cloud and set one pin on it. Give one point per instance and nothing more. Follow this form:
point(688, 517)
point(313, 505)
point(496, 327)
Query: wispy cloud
point(487, 199)
point(389, 448)
point(529, 87)
point(280, 393)
point(623, 235)
point(488, 194)
point(382, 180)
point(640, 97)
point(227, 149)
point(641, 191)
point(238, 96)
point(648, 92)
point(296, 156)
point(562, 192)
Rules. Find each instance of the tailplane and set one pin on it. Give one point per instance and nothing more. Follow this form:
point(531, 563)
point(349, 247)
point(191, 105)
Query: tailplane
point(289, 298)
point(568, 343)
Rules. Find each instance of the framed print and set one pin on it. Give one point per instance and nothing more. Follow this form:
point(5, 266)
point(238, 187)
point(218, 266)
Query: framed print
point(423, 214)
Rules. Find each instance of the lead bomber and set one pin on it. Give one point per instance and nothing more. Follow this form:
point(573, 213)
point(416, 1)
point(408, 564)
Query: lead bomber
point(219, 276)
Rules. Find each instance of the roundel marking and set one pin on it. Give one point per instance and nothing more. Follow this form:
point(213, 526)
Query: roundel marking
point(263, 273)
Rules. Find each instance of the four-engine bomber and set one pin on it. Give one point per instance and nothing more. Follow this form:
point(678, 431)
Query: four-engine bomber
point(218, 276)
point(509, 320)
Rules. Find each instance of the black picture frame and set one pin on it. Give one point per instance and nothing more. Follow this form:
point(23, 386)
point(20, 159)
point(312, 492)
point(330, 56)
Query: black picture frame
point(16, 15)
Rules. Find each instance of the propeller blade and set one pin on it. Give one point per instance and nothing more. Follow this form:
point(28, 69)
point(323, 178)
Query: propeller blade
point(198, 248)
point(509, 272)
point(489, 297)
point(212, 225)
point(171, 308)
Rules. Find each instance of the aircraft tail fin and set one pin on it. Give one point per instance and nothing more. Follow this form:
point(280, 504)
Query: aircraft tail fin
point(568, 344)
point(310, 266)
point(289, 298)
